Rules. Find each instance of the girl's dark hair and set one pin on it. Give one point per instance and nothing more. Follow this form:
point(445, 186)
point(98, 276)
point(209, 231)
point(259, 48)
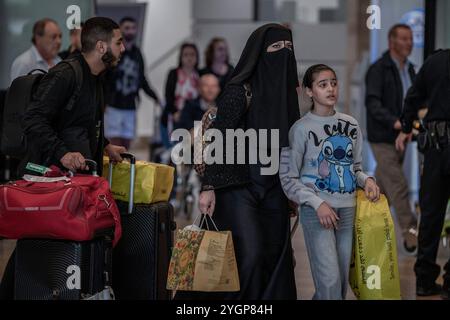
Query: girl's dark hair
point(311, 73)
point(209, 52)
point(184, 46)
point(308, 78)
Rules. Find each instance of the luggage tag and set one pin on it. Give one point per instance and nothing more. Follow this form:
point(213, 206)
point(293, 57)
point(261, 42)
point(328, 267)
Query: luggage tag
point(37, 168)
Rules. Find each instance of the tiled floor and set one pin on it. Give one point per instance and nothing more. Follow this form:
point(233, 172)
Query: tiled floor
point(305, 285)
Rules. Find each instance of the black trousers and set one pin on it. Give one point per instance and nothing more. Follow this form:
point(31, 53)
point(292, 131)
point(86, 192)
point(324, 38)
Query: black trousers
point(257, 215)
point(434, 195)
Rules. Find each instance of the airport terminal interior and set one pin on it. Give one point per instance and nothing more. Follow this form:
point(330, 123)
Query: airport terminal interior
point(347, 35)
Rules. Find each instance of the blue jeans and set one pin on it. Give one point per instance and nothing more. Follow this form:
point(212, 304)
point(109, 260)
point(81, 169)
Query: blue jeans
point(329, 252)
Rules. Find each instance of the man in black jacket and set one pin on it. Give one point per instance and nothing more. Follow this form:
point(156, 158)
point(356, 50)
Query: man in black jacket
point(67, 137)
point(387, 82)
point(123, 89)
point(432, 86)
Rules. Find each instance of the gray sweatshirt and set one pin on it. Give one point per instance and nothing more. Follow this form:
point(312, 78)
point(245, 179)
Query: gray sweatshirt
point(323, 162)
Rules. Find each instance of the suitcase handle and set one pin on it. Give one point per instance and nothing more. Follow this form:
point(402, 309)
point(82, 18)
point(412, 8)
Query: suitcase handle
point(92, 166)
point(132, 160)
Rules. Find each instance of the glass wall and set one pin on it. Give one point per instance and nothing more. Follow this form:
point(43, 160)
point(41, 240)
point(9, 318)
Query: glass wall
point(16, 23)
point(443, 24)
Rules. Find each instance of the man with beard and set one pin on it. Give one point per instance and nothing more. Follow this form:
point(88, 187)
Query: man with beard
point(66, 138)
point(123, 89)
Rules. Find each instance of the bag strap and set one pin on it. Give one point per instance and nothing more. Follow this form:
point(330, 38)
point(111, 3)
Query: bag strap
point(76, 67)
point(30, 178)
point(203, 221)
point(34, 70)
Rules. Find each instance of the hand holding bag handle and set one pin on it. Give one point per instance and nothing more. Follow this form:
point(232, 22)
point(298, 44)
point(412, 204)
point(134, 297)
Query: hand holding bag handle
point(92, 165)
point(132, 159)
point(203, 221)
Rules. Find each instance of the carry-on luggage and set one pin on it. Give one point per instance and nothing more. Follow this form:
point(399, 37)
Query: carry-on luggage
point(63, 270)
point(60, 268)
point(141, 258)
point(68, 208)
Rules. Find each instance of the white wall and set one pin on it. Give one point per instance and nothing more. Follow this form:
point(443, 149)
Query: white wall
point(223, 9)
point(307, 11)
point(168, 23)
point(310, 47)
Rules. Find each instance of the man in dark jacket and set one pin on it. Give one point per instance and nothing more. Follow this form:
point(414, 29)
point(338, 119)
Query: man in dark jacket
point(67, 137)
point(432, 86)
point(387, 82)
point(123, 89)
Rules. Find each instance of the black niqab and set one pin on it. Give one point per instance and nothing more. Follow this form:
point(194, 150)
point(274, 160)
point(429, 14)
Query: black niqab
point(273, 78)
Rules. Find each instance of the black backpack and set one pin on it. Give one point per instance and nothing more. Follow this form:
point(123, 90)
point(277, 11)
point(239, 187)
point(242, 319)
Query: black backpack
point(18, 98)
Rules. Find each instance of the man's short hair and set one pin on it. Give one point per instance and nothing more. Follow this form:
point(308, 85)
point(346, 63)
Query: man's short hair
point(393, 31)
point(39, 28)
point(127, 19)
point(209, 75)
point(74, 30)
point(97, 29)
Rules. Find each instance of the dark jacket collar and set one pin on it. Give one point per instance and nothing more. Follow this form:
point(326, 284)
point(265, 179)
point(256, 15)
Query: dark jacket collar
point(389, 62)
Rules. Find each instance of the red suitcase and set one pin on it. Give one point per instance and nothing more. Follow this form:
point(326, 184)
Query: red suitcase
point(69, 208)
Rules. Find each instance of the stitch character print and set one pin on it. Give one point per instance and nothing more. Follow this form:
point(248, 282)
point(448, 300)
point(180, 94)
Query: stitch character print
point(336, 166)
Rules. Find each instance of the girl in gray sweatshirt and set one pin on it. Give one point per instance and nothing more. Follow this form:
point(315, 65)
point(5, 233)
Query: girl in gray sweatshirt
point(320, 171)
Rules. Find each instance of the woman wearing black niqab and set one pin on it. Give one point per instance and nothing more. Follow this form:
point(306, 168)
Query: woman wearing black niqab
point(241, 199)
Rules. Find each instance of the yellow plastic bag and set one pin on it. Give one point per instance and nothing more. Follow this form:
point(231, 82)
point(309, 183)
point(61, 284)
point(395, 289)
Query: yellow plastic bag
point(203, 261)
point(154, 182)
point(374, 268)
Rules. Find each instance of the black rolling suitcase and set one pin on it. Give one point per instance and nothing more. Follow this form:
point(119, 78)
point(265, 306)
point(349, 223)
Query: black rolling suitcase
point(141, 258)
point(63, 270)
